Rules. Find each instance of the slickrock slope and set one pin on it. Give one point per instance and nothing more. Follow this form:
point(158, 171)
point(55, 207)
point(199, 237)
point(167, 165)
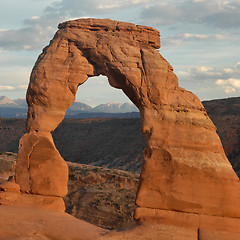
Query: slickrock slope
point(185, 173)
point(34, 224)
point(24, 223)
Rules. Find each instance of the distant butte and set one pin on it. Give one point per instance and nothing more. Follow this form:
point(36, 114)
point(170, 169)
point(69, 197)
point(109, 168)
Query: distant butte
point(187, 190)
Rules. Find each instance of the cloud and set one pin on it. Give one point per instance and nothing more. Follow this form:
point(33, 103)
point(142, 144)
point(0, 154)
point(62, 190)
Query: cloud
point(12, 88)
point(226, 79)
point(35, 33)
point(182, 38)
point(28, 38)
point(92, 7)
point(207, 37)
point(235, 69)
point(200, 73)
point(22, 87)
point(8, 88)
point(218, 13)
point(230, 85)
point(38, 30)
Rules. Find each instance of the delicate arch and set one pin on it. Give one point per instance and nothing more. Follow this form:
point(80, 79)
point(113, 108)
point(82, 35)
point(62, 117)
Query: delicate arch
point(184, 168)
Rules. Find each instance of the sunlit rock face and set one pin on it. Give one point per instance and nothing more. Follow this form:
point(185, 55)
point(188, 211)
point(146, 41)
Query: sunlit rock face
point(184, 168)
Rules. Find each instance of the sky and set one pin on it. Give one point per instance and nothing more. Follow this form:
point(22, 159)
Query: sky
point(199, 38)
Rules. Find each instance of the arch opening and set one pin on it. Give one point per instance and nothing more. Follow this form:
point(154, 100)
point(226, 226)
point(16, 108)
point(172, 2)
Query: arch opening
point(126, 135)
point(97, 90)
point(99, 148)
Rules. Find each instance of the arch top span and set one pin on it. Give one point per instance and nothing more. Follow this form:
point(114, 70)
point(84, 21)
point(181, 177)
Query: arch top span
point(124, 52)
point(142, 34)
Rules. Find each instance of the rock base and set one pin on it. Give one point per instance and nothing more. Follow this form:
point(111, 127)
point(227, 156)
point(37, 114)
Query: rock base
point(15, 199)
point(41, 224)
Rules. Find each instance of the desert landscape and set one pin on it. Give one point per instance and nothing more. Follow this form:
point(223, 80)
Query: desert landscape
point(119, 143)
point(187, 188)
point(98, 192)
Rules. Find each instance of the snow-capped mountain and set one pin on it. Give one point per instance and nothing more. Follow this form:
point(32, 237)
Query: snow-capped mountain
point(6, 102)
point(18, 108)
point(115, 108)
point(21, 102)
point(79, 106)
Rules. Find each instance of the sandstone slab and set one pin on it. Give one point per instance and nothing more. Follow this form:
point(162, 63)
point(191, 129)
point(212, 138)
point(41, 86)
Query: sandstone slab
point(205, 227)
point(38, 224)
point(31, 200)
point(41, 224)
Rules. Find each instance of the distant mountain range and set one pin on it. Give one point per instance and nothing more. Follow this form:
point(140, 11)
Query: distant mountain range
point(18, 108)
point(118, 143)
point(6, 102)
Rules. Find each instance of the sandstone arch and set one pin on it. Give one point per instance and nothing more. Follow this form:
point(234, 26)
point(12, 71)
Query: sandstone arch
point(185, 168)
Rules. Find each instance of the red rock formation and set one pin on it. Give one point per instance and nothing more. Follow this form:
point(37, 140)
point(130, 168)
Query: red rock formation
point(185, 168)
